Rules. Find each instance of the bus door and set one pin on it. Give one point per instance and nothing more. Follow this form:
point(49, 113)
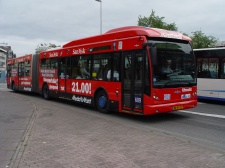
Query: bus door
point(63, 75)
point(132, 82)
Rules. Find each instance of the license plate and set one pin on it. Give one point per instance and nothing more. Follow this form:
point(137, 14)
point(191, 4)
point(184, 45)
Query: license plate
point(177, 107)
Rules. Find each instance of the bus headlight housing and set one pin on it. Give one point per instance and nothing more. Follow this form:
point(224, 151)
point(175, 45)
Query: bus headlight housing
point(155, 96)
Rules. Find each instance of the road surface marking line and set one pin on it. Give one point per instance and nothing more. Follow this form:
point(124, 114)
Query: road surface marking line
point(203, 114)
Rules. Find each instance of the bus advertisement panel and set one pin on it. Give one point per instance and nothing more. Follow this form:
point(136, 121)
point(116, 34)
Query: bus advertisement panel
point(133, 69)
point(19, 73)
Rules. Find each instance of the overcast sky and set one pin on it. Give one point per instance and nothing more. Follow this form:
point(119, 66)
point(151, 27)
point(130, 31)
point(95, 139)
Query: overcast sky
point(24, 24)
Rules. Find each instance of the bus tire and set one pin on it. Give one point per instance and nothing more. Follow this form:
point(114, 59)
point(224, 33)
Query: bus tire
point(101, 101)
point(13, 87)
point(45, 92)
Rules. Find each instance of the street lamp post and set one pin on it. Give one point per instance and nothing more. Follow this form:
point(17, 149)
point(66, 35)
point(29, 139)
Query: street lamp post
point(100, 15)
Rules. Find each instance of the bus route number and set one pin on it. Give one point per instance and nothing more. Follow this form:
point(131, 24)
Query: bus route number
point(81, 87)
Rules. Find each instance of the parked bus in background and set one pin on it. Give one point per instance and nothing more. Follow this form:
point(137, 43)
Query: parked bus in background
point(211, 73)
point(121, 70)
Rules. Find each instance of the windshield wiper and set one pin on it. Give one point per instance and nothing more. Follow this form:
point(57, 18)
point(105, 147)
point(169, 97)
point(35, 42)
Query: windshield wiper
point(184, 83)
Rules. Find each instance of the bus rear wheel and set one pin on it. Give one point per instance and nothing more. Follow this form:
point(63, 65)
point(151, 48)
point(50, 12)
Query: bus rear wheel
point(13, 87)
point(102, 102)
point(45, 92)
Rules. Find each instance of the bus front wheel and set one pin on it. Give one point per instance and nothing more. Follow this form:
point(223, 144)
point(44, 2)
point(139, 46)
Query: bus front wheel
point(45, 92)
point(102, 102)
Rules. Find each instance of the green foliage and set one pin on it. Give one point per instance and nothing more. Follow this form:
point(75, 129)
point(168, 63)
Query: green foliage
point(200, 40)
point(156, 22)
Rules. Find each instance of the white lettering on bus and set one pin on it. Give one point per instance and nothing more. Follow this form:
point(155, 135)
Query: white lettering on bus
point(186, 89)
point(20, 60)
point(62, 88)
point(53, 54)
point(51, 80)
point(53, 87)
point(137, 100)
point(48, 73)
point(14, 72)
point(47, 70)
point(27, 89)
point(25, 79)
point(81, 88)
point(81, 99)
point(170, 35)
point(25, 83)
point(79, 51)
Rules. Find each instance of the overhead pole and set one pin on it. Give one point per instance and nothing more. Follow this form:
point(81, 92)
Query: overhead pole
point(100, 15)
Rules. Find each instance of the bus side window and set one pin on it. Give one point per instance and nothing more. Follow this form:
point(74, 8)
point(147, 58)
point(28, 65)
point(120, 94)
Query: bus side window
point(101, 66)
point(108, 71)
point(84, 71)
point(208, 67)
point(62, 66)
point(116, 68)
point(222, 70)
point(21, 69)
point(96, 68)
point(75, 68)
point(100, 72)
point(84, 63)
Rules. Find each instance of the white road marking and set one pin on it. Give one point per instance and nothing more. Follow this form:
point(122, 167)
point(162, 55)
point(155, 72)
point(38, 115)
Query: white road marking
point(203, 114)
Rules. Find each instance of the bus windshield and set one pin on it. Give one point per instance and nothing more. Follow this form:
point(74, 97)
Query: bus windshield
point(174, 65)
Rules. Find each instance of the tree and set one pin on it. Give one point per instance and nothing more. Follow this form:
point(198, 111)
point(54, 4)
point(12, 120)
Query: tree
point(156, 22)
point(44, 47)
point(200, 40)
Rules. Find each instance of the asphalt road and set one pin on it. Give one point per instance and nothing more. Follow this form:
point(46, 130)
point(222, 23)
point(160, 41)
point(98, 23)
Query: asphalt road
point(203, 126)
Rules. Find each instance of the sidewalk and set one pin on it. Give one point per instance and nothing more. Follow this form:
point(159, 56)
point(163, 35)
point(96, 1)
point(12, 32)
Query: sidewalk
point(62, 136)
point(15, 114)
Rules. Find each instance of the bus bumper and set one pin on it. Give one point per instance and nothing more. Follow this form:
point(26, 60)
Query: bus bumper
point(169, 107)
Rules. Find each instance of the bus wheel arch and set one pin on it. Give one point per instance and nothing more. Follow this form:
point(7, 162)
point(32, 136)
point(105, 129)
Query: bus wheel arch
point(101, 100)
point(45, 91)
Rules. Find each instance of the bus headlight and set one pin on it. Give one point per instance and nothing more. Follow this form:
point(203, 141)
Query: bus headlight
point(155, 96)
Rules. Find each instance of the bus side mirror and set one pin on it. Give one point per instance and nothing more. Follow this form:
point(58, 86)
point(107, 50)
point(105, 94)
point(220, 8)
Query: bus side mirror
point(153, 54)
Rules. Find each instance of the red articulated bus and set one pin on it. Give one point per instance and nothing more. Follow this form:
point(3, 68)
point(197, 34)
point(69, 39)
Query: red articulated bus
point(122, 70)
point(19, 73)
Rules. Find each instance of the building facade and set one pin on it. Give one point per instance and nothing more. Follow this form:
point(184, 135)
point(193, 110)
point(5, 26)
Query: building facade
point(3, 56)
point(5, 53)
